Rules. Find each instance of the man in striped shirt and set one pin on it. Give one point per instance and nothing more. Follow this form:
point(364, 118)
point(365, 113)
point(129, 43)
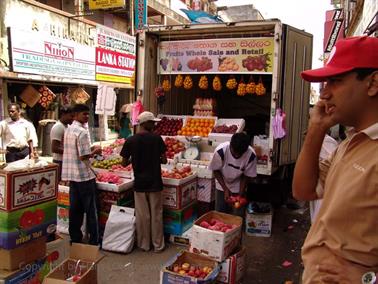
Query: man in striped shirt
point(76, 169)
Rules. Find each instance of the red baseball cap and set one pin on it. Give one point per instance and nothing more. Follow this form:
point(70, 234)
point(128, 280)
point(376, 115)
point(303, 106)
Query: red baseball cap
point(346, 55)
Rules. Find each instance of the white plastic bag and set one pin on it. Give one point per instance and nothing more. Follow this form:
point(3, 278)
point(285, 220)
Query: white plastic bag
point(119, 231)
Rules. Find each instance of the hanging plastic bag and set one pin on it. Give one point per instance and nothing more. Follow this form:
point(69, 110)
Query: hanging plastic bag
point(137, 109)
point(279, 126)
point(119, 231)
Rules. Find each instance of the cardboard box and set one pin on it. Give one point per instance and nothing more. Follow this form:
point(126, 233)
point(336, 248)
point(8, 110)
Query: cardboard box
point(57, 251)
point(20, 189)
point(232, 269)
point(63, 219)
point(206, 190)
point(125, 185)
point(24, 225)
point(31, 273)
point(177, 197)
point(88, 255)
point(108, 198)
point(167, 276)
point(258, 224)
point(181, 240)
point(215, 244)
point(63, 195)
point(27, 253)
point(177, 222)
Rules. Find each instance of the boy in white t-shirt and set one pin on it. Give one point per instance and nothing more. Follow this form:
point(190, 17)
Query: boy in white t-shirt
point(57, 135)
point(233, 164)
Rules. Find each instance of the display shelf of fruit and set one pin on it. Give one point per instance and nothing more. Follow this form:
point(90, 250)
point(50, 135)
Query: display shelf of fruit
point(125, 172)
point(173, 147)
point(179, 80)
point(231, 83)
point(204, 104)
point(223, 128)
point(188, 82)
point(203, 83)
point(237, 201)
point(197, 127)
point(168, 126)
point(217, 225)
point(217, 84)
point(107, 164)
point(112, 182)
point(177, 176)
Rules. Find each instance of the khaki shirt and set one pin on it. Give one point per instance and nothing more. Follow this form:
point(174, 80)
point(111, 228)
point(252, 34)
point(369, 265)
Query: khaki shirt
point(346, 229)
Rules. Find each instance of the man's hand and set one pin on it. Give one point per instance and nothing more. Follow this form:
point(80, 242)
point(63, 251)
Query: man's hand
point(96, 150)
point(323, 115)
point(339, 274)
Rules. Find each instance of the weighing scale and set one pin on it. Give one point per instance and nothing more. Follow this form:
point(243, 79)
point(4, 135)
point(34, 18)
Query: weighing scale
point(193, 151)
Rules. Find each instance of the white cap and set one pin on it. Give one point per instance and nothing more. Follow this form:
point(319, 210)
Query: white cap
point(147, 116)
point(126, 108)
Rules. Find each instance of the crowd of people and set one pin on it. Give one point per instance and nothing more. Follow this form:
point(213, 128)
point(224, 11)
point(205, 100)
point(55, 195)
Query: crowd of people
point(341, 181)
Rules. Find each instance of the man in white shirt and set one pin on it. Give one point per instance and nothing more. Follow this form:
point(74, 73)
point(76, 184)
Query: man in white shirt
point(233, 163)
point(57, 135)
point(18, 135)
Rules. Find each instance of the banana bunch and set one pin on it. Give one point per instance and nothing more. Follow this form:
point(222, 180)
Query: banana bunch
point(241, 89)
point(251, 88)
point(188, 82)
point(203, 84)
point(179, 81)
point(217, 84)
point(260, 89)
point(231, 83)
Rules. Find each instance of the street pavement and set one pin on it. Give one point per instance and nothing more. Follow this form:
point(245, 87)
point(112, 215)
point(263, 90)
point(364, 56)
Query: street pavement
point(269, 260)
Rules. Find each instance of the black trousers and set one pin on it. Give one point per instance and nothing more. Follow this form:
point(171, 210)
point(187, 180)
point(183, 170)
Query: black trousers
point(15, 154)
point(83, 199)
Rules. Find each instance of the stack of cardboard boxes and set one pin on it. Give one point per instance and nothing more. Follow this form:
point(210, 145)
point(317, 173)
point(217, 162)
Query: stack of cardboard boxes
point(179, 204)
point(27, 218)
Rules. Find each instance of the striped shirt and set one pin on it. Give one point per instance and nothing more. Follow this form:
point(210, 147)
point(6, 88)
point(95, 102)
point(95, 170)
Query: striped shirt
point(76, 145)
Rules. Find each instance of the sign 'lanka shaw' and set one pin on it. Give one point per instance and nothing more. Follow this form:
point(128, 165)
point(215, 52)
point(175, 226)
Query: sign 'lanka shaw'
point(115, 56)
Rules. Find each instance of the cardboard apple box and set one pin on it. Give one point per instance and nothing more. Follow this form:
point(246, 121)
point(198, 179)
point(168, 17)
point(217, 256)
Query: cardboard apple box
point(232, 268)
point(168, 276)
point(56, 251)
point(22, 255)
point(88, 256)
point(215, 244)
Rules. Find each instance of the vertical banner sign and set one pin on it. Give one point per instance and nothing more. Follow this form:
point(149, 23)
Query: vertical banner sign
point(333, 29)
point(229, 55)
point(115, 55)
point(140, 14)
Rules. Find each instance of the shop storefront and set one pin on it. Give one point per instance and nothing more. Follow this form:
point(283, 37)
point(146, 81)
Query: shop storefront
point(49, 59)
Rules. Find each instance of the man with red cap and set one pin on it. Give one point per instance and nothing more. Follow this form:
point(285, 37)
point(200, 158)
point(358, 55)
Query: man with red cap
point(342, 244)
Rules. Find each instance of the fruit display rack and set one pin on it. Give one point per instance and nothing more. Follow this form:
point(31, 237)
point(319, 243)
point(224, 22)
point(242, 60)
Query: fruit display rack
point(237, 124)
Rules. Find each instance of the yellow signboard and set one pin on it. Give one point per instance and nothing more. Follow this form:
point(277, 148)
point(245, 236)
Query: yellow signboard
point(105, 4)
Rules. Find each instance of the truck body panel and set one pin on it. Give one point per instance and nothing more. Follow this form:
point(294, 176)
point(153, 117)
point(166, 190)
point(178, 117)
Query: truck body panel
point(292, 54)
